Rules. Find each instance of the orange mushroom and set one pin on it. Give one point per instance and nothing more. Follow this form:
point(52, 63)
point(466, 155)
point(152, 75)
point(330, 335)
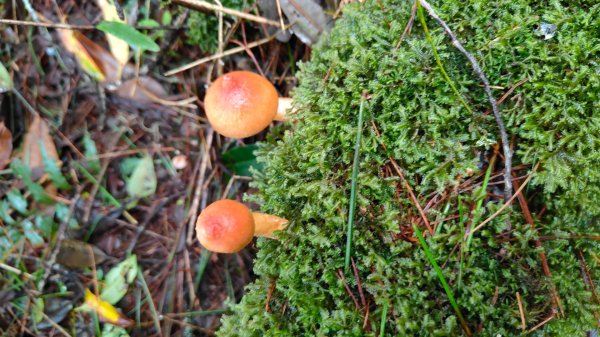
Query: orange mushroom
point(227, 226)
point(240, 104)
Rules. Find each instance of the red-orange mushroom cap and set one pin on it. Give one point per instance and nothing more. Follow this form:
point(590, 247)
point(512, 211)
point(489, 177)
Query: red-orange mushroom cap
point(225, 226)
point(240, 104)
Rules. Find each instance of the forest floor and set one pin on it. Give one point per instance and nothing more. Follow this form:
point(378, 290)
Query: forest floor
point(106, 159)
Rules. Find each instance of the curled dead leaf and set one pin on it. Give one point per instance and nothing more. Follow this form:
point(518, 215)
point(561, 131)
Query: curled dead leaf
point(78, 254)
point(5, 145)
point(70, 40)
point(38, 135)
point(144, 90)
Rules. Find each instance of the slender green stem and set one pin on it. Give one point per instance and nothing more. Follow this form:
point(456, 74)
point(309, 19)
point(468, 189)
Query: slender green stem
point(437, 58)
point(442, 279)
point(153, 311)
point(352, 206)
point(383, 320)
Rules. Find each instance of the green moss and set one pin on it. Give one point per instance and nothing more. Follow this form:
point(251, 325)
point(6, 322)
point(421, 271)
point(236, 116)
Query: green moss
point(203, 28)
point(553, 119)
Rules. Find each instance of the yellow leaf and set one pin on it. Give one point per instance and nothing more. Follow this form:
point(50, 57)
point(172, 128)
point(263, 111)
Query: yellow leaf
point(106, 312)
point(38, 135)
point(118, 47)
point(88, 64)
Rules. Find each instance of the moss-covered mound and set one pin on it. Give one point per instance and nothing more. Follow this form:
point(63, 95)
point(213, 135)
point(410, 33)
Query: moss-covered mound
point(413, 117)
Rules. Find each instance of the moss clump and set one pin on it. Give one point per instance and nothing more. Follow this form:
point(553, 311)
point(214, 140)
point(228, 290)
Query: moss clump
point(553, 119)
point(203, 28)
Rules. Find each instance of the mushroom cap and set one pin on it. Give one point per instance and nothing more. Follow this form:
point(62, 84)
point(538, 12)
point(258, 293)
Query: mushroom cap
point(225, 226)
point(240, 104)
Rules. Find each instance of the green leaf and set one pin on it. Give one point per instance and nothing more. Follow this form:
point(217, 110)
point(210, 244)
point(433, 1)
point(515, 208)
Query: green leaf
point(167, 18)
point(37, 310)
point(148, 23)
point(109, 330)
point(31, 233)
point(91, 152)
point(240, 159)
point(6, 83)
point(142, 182)
point(129, 35)
point(4, 215)
point(53, 170)
point(118, 280)
point(17, 201)
point(23, 172)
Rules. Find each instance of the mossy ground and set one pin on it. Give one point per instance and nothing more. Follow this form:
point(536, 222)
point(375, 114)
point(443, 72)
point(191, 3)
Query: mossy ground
point(553, 119)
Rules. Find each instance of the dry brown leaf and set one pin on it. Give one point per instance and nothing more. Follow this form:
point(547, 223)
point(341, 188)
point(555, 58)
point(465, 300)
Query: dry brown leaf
point(38, 135)
point(70, 41)
point(5, 145)
point(78, 254)
point(308, 17)
point(144, 90)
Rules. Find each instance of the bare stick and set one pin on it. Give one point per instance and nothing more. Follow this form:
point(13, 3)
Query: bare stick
point(486, 86)
point(506, 204)
point(193, 212)
point(73, 27)
point(218, 56)
point(199, 4)
point(521, 312)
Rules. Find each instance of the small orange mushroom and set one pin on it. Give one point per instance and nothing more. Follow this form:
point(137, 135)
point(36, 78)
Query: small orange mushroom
point(240, 104)
point(227, 226)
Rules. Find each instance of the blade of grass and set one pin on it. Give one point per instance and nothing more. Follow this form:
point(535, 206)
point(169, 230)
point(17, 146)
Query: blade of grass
point(484, 185)
point(202, 264)
point(150, 301)
point(442, 279)
point(353, 186)
point(229, 282)
point(383, 320)
point(198, 313)
point(105, 193)
point(437, 58)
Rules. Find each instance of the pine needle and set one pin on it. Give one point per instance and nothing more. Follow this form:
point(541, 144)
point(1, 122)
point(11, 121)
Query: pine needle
point(352, 206)
point(445, 285)
point(438, 60)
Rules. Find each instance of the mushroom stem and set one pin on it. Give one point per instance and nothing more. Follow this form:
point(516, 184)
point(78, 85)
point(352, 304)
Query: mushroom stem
point(266, 224)
point(284, 105)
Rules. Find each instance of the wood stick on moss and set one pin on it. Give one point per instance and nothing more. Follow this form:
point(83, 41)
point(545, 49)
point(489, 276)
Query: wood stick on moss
point(486, 86)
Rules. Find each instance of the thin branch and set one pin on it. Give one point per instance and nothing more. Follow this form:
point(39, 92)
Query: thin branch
point(486, 86)
point(219, 55)
point(521, 312)
point(199, 4)
point(506, 204)
point(73, 27)
point(204, 158)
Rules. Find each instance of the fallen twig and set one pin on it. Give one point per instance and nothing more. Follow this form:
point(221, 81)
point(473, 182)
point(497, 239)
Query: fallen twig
point(219, 55)
point(521, 312)
point(506, 204)
point(486, 86)
point(199, 4)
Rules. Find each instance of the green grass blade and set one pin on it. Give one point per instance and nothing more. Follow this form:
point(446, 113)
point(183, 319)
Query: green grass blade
point(442, 279)
point(352, 206)
point(438, 60)
point(148, 295)
point(383, 320)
